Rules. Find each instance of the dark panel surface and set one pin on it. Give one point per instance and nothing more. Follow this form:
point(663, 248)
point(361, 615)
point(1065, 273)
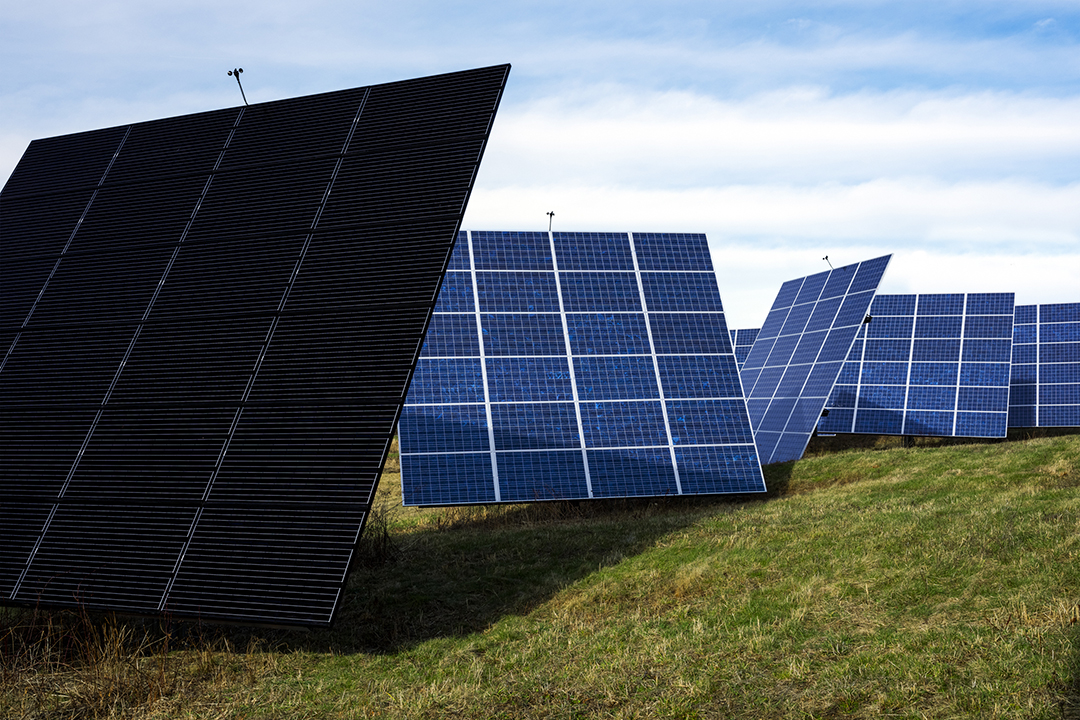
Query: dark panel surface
point(576, 365)
point(209, 324)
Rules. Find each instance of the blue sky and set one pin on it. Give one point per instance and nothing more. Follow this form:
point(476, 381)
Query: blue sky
point(946, 133)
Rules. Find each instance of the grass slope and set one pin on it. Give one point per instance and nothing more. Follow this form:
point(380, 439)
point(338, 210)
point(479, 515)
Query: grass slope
point(921, 582)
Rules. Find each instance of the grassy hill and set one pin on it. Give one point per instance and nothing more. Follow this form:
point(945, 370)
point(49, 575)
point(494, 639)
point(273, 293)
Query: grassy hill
point(926, 582)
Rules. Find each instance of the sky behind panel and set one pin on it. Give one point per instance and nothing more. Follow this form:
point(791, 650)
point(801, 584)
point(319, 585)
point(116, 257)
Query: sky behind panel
point(948, 133)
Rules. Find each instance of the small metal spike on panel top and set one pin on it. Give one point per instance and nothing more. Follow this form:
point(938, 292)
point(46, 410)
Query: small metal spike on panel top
point(235, 72)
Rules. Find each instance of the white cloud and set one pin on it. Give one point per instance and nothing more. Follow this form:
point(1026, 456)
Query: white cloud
point(794, 135)
point(970, 237)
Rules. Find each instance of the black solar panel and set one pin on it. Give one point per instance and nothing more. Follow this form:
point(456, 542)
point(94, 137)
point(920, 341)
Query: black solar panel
point(208, 325)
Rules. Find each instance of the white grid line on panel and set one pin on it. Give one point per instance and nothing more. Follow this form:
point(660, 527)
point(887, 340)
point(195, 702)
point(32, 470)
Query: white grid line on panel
point(523, 451)
point(570, 365)
point(765, 363)
point(960, 364)
point(817, 356)
point(483, 370)
point(910, 362)
point(1038, 364)
point(656, 363)
point(858, 380)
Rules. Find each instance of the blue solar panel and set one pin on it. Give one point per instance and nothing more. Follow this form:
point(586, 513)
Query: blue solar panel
point(928, 365)
point(1045, 380)
point(743, 340)
point(576, 365)
point(793, 364)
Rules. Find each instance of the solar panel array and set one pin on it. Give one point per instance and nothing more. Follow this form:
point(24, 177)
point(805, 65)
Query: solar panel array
point(799, 351)
point(1045, 384)
point(743, 340)
point(576, 365)
point(208, 326)
point(934, 365)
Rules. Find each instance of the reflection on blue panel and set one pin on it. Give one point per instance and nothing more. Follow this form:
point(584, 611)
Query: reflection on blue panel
point(535, 476)
point(981, 326)
point(882, 396)
point(456, 293)
point(523, 335)
point(925, 422)
point(931, 398)
point(529, 379)
point(447, 479)
point(937, 326)
point(534, 426)
point(1059, 312)
point(608, 334)
point(616, 378)
point(987, 350)
point(981, 424)
point(512, 251)
point(935, 350)
point(699, 376)
point(824, 315)
point(451, 336)
point(443, 428)
point(447, 380)
point(632, 472)
point(821, 380)
point(951, 304)
point(600, 292)
point(1059, 332)
point(897, 305)
point(528, 292)
point(459, 258)
point(708, 422)
point(887, 350)
point(809, 347)
point(672, 251)
point(879, 422)
point(690, 333)
point(674, 292)
point(1025, 333)
point(982, 399)
point(593, 251)
point(623, 424)
point(984, 374)
point(933, 374)
point(990, 304)
point(700, 467)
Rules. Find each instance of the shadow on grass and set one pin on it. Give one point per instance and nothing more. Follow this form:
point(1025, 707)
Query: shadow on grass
point(473, 566)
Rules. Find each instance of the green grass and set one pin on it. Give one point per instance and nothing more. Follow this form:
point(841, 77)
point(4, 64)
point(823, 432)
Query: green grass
point(937, 581)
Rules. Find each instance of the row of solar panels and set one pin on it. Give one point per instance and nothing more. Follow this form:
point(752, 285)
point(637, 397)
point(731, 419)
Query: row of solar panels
point(209, 324)
point(955, 365)
point(582, 365)
point(585, 365)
